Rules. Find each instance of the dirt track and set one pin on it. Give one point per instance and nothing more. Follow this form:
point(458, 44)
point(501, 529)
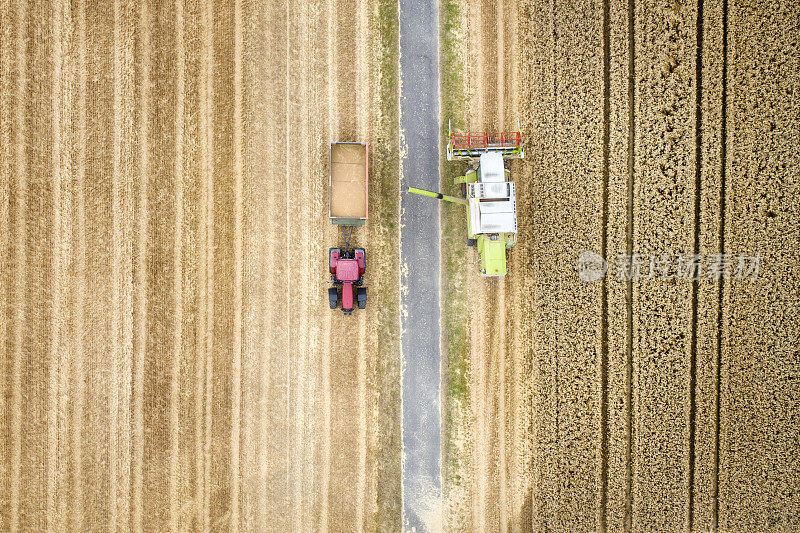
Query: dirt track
point(651, 405)
point(169, 360)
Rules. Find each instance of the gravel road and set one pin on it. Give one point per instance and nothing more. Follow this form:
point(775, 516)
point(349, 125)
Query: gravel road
point(419, 120)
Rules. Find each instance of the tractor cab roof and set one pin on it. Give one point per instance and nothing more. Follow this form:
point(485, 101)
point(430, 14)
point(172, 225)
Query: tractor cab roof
point(347, 270)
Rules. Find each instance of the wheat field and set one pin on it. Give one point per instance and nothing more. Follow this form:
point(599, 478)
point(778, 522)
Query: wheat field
point(168, 358)
point(650, 128)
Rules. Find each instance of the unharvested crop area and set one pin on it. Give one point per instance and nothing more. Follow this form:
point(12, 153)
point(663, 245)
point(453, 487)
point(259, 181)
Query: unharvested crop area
point(651, 128)
point(163, 216)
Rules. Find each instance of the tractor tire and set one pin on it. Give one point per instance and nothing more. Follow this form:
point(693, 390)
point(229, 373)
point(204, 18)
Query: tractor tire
point(333, 297)
point(361, 295)
point(471, 242)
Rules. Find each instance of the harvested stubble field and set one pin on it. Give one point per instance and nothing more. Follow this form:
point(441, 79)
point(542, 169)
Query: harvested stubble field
point(163, 179)
point(664, 127)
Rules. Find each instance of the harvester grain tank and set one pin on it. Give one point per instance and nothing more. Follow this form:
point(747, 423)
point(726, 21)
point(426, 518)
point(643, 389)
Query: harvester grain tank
point(488, 193)
point(347, 208)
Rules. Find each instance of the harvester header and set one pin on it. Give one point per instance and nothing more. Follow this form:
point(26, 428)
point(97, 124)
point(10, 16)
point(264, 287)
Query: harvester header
point(471, 145)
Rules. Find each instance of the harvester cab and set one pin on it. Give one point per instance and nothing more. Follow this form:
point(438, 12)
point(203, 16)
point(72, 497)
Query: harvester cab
point(487, 192)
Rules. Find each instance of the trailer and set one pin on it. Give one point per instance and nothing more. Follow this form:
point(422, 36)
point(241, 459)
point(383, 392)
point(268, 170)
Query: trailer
point(349, 172)
point(348, 203)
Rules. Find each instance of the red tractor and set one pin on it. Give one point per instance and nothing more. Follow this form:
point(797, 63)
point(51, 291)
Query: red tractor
point(347, 271)
point(347, 208)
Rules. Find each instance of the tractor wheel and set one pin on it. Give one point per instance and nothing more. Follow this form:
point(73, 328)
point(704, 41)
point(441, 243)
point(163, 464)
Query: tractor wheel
point(333, 297)
point(470, 242)
point(361, 295)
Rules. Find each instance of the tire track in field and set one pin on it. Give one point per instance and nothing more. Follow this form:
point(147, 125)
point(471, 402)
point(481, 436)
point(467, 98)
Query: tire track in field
point(6, 257)
point(5, 234)
point(629, 232)
point(206, 275)
point(363, 133)
point(116, 260)
point(333, 126)
point(698, 181)
point(287, 156)
point(79, 304)
point(220, 489)
point(54, 394)
point(127, 163)
point(315, 151)
point(604, 431)
point(140, 263)
point(265, 493)
point(157, 385)
point(487, 306)
point(20, 168)
point(177, 269)
point(122, 269)
point(298, 297)
point(63, 165)
point(276, 465)
point(711, 216)
point(5, 240)
point(238, 170)
point(344, 498)
point(723, 156)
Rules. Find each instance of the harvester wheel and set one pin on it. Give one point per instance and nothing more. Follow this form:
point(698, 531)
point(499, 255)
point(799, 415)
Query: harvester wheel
point(463, 190)
point(470, 242)
point(362, 297)
point(333, 297)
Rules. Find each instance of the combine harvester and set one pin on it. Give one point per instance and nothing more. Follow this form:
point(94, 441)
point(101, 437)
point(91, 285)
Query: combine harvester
point(347, 208)
point(487, 193)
